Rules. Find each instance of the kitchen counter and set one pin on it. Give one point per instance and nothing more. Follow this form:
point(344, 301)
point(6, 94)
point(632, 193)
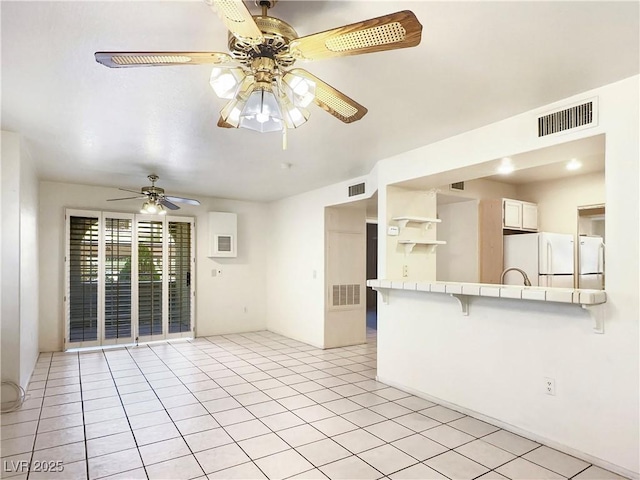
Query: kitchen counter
point(585, 298)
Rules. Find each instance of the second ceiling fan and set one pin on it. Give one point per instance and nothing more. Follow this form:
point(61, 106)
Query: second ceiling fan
point(265, 94)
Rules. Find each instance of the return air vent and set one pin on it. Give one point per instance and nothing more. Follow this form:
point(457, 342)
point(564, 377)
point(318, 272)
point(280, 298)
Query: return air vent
point(224, 243)
point(357, 189)
point(457, 186)
point(344, 295)
point(223, 228)
point(580, 116)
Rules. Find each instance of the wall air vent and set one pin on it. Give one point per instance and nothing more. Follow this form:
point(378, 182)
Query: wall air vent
point(583, 115)
point(223, 232)
point(457, 186)
point(357, 189)
point(224, 243)
point(344, 295)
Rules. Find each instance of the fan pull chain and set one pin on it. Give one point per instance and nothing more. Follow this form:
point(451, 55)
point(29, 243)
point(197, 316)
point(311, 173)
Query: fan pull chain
point(284, 136)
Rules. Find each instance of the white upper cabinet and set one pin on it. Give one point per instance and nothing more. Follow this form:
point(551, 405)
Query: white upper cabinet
point(529, 216)
point(518, 215)
point(512, 216)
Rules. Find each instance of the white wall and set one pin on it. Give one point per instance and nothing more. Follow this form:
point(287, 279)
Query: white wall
point(558, 200)
point(220, 300)
point(482, 188)
point(497, 357)
point(10, 259)
point(296, 282)
point(19, 262)
point(29, 268)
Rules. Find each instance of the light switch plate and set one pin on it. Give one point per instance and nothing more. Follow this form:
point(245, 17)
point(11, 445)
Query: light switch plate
point(393, 231)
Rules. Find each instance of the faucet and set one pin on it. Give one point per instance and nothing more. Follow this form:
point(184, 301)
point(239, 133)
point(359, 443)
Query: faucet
point(527, 282)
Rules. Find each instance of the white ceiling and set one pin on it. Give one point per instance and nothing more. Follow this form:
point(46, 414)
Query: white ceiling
point(479, 62)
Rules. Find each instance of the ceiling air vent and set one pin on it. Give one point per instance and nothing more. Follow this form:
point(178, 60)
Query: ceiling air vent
point(583, 115)
point(457, 186)
point(357, 189)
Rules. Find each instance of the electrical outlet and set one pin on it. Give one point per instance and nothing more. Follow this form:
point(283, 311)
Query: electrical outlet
point(549, 386)
point(405, 271)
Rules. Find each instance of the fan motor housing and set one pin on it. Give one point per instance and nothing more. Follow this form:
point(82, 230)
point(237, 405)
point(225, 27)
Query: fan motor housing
point(153, 190)
point(277, 36)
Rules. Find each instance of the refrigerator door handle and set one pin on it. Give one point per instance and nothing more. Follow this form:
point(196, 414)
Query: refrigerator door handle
point(549, 258)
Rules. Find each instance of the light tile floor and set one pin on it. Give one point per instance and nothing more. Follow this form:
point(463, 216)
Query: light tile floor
point(248, 406)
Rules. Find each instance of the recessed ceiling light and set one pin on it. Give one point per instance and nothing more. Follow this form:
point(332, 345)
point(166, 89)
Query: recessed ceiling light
point(574, 164)
point(506, 167)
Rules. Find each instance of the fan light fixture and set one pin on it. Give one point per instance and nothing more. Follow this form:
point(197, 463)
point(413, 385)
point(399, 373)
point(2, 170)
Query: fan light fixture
point(264, 92)
point(153, 207)
point(264, 102)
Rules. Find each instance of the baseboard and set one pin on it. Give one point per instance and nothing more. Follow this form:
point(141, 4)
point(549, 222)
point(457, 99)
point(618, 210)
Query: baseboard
point(518, 431)
point(288, 335)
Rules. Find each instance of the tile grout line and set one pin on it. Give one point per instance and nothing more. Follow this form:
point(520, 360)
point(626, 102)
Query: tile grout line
point(200, 403)
point(235, 350)
point(35, 435)
point(135, 440)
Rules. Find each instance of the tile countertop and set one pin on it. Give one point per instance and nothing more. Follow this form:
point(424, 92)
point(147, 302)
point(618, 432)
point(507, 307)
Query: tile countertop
point(584, 297)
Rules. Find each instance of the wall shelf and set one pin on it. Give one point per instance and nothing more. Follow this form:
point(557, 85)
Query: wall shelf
point(427, 222)
point(409, 244)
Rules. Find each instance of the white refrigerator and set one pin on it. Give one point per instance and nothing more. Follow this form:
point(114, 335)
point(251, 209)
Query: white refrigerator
point(547, 258)
point(591, 262)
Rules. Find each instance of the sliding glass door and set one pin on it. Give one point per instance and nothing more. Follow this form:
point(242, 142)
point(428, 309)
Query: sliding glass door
point(129, 278)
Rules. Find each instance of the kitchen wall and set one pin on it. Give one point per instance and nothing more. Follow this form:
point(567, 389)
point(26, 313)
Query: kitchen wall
point(497, 357)
point(558, 200)
point(458, 260)
point(19, 257)
point(234, 301)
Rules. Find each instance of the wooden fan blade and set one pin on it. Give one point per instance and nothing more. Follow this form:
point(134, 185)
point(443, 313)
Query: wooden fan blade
point(236, 17)
point(160, 59)
point(126, 198)
point(332, 100)
point(189, 201)
point(168, 204)
point(389, 32)
point(132, 191)
point(223, 124)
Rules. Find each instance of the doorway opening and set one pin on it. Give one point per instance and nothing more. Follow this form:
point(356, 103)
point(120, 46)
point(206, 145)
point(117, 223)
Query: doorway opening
point(372, 273)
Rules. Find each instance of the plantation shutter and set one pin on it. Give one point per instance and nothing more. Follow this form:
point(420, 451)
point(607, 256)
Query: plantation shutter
point(180, 276)
point(83, 278)
point(117, 278)
point(149, 277)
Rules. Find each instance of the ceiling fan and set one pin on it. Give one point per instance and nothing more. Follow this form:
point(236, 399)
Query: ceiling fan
point(265, 94)
point(155, 198)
